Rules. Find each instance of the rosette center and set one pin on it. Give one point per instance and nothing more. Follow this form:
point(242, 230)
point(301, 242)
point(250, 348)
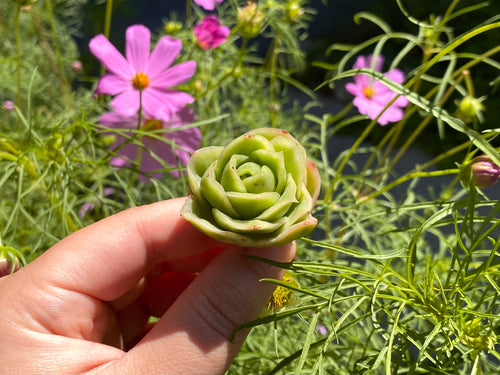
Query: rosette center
point(257, 178)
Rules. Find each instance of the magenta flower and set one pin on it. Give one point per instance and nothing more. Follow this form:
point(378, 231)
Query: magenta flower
point(210, 33)
point(185, 140)
point(141, 76)
point(208, 4)
point(371, 96)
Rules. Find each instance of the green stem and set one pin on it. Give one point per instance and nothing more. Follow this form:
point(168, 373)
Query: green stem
point(272, 83)
point(18, 60)
point(57, 49)
point(189, 12)
point(409, 177)
point(107, 24)
point(237, 63)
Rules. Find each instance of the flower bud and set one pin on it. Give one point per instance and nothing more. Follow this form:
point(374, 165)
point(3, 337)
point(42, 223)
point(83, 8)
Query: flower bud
point(76, 66)
point(172, 27)
point(257, 191)
point(8, 263)
point(482, 171)
point(476, 336)
point(470, 108)
point(249, 20)
point(294, 10)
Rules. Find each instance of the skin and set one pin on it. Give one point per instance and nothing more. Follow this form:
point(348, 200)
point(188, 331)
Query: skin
point(84, 305)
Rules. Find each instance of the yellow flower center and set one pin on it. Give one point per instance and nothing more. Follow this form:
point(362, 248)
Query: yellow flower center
point(140, 81)
point(369, 91)
point(152, 125)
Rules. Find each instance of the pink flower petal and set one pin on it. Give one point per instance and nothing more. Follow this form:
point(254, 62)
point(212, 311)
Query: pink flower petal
point(387, 96)
point(171, 101)
point(395, 75)
point(137, 47)
point(189, 140)
point(354, 89)
point(207, 4)
point(177, 74)
point(118, 120)
point(164, 54)
point(127, 102)
point(125, 154)
point(109, 56)
point(392, 114)
point(112, 84)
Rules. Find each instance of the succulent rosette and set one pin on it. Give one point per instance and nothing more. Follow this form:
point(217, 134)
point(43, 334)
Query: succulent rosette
point(257, 191)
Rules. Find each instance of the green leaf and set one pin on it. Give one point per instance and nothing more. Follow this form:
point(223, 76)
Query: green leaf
point(250, 205)
point(246, 226)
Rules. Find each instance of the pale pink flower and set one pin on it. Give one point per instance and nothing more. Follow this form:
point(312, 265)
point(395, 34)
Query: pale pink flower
point(371, 96)
point(141, 76)
point(321, 329)
point(208, 4)
point(154, 149)
point(76, 66)
point(9, 105)
point(210, 33)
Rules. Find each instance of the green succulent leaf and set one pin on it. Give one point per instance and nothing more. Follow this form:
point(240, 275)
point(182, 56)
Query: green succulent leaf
point(259, 190)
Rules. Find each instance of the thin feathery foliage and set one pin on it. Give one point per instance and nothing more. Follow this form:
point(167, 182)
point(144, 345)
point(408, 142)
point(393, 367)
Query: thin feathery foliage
point(401, 274)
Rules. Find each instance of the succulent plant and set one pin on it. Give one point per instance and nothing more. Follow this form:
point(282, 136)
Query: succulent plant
point(257, 191)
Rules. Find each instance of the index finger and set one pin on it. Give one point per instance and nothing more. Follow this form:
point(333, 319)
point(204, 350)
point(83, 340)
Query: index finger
point(107, 258)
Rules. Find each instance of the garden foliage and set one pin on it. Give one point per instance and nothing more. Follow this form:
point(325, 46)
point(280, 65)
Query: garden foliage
point(400, 275)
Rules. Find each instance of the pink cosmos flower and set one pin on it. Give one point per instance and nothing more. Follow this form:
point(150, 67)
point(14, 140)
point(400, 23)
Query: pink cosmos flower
point(210, 33)
point(372, 96)
point(186, 141)
point(141, 76)
point(208, 4)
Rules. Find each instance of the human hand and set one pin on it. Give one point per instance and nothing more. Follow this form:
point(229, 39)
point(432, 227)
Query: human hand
point(84, 305)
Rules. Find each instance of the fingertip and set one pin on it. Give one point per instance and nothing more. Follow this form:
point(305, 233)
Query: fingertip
point(281, 254)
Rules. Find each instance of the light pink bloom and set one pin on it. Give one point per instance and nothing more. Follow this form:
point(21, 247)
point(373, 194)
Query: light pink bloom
point(186, 141)
point(76, 66)
point(208, 4)
point(210, 33)
point(140, 71)
point(321, 329)
point(9, 105)
point(371, 96)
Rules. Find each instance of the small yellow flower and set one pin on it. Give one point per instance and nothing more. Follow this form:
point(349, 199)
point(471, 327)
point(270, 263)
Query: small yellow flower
point(282, 297)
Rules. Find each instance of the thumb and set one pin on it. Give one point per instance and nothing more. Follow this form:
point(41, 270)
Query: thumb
point(193, 337)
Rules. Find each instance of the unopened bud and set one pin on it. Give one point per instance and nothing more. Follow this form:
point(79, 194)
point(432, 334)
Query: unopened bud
point(294, 10)
point(484, 172)
point(470, 108)
point(249, 20)
point(8, 264)
point(172, 27)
